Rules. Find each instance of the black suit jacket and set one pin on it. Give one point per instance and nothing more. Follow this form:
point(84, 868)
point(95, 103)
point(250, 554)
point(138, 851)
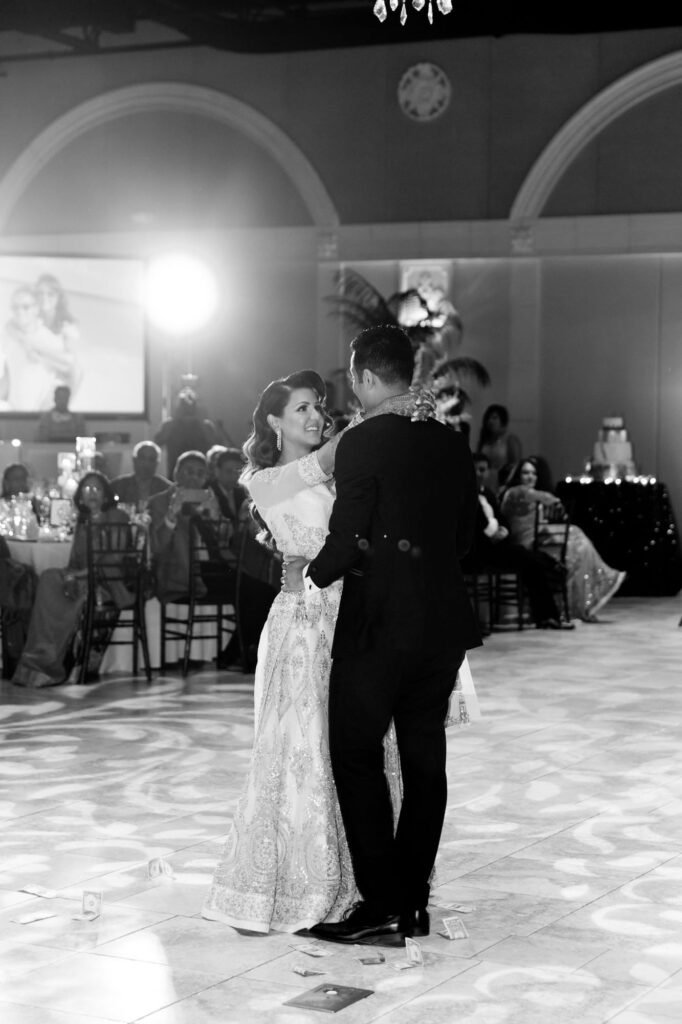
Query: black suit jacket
point(240, 496)
point(404, 515)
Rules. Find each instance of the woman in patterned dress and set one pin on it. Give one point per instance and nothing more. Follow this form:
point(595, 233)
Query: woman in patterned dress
point(591, 582)
point(286, 863)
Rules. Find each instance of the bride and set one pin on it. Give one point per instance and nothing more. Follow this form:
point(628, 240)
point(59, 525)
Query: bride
point(286, 864)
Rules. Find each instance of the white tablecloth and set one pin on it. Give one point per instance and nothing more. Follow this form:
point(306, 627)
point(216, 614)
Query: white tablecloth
point(41, 554)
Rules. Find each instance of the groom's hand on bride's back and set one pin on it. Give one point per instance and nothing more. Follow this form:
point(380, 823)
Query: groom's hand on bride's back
point(292, 573)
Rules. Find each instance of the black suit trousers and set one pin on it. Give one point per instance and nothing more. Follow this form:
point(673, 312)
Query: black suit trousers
point(392, 865)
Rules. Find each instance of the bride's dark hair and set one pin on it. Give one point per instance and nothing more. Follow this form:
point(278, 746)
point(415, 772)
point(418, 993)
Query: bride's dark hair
point(260, 448)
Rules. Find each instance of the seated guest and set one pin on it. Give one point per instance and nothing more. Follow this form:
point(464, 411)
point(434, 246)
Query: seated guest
point(137, 488)
point(15, 481)
point(171, 512)
point(18, 583)
point(229, 464)
point(59, 424)
point(61, 593)
point(492, 547)
point(211, 456)
point(591, 582)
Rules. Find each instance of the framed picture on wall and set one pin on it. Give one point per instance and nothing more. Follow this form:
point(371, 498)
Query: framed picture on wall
point(78, 321)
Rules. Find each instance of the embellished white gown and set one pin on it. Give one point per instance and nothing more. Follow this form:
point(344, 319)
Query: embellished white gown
point(286, 864)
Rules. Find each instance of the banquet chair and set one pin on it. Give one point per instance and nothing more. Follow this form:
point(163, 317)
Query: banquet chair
point(491, 590)
point(507, 592)
point(116, 594)
point(550, 538)
point(211, 598)
point(479, 584)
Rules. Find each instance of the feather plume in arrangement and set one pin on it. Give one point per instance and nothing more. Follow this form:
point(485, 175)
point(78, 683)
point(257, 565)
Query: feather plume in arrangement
point(434, 327)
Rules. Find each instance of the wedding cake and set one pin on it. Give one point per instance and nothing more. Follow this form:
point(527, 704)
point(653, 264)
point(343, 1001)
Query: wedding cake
point(612, 455)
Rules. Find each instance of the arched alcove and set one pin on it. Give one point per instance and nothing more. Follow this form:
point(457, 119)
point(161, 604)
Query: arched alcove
point(175, 97)
point(618, 98)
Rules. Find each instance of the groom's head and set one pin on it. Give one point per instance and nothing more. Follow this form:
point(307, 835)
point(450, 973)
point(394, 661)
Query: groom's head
point(381, 364)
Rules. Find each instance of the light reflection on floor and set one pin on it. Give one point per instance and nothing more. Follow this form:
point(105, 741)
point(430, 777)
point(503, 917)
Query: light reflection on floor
point(563, 834)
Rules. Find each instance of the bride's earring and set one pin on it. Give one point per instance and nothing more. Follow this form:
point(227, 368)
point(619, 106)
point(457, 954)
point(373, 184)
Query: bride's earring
point(278, 435)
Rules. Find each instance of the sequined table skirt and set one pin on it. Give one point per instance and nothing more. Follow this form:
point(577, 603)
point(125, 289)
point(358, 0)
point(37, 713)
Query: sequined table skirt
point(632, 526)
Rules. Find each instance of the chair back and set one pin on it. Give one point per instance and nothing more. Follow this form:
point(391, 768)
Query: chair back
point(210, 554)
point(116, 560)
point(552, 526)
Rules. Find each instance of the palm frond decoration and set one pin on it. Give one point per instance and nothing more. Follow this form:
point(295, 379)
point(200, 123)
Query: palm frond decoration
point(354, 292)
point(434, 327)
point(463, 366)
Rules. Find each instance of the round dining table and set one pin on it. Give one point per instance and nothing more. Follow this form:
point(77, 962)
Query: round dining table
point(40, 554)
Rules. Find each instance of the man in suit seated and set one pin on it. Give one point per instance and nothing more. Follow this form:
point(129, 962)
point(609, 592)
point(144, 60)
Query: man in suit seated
point(138, 487)
point(493, 548)
point(227, 468)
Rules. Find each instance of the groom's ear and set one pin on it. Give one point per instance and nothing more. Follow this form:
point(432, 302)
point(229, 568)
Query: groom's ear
point(367, 378)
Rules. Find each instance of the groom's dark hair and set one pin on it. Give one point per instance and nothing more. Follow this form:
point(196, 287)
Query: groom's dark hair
point(386, 350)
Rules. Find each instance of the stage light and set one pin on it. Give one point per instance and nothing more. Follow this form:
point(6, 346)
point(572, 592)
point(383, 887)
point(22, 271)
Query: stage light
point(181, 294)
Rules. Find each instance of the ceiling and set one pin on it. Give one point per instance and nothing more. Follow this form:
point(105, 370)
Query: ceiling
point(49, 29)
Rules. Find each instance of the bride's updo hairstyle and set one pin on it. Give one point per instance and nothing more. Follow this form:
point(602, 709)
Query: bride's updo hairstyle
point(260, 448)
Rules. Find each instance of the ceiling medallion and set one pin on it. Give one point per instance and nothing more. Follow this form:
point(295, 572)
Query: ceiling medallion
point(424, 92)
point(444, 6)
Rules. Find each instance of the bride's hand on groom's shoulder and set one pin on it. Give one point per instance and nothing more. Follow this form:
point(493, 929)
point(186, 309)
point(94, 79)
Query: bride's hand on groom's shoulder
point(292, 573)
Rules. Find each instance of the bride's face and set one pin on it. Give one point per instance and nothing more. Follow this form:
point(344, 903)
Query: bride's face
point(302, 421)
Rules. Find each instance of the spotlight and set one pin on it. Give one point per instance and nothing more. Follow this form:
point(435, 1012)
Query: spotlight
point(181, 293)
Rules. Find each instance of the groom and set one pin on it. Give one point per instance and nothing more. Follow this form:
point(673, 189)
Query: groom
point(404, 515)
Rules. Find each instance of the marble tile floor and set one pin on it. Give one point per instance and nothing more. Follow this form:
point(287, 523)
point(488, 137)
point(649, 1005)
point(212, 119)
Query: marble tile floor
point(563, 839)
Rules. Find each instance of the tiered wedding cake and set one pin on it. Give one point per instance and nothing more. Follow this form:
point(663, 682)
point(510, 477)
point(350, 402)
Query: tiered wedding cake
point(612, 454)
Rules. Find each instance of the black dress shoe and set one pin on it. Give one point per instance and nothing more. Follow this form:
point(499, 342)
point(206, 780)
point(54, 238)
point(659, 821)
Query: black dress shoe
point(363, 924)
point(412, 924)
point(556, 624)
point(415, 922)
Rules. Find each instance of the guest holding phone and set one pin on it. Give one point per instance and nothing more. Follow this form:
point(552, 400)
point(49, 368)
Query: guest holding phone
point(170, 513)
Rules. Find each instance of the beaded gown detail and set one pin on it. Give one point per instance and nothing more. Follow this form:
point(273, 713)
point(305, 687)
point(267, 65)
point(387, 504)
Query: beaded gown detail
point(286, 863)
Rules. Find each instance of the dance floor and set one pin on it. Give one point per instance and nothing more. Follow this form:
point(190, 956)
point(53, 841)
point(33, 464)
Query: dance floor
point(562, 849)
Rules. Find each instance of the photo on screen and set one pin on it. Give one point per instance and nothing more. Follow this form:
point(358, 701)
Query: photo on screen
point(77, 321)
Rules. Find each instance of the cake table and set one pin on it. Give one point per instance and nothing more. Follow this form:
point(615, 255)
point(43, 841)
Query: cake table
point(632, 525)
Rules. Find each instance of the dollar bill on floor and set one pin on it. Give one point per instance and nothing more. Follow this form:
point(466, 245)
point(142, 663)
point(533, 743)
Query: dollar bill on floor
point(403, 965)
point(369, 956)
point(159, 868)
point(455, 928)
point(306, 972)
point(91, 906)
point(37, 915)
point(462, 908)
point(311, 949)
point(413, 952)
point(329, 998)
point(39, 890)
